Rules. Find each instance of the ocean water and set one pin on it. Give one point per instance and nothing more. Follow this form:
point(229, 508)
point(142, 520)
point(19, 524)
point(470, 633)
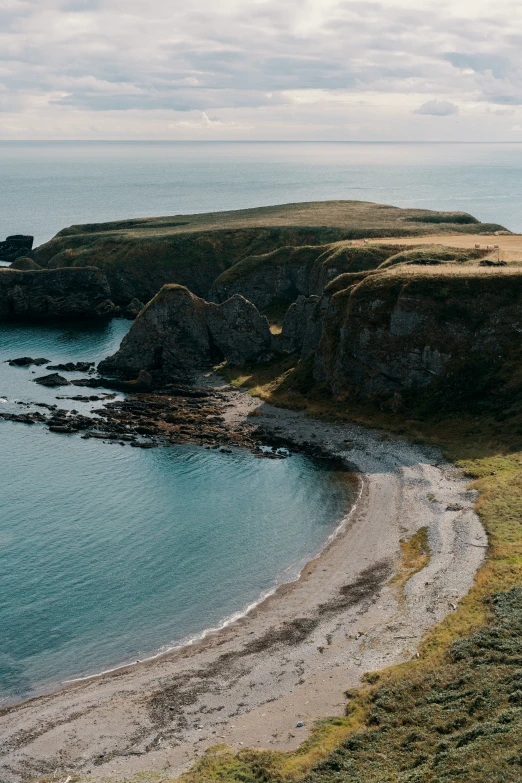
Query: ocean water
point(109, 554)
point(49, 185)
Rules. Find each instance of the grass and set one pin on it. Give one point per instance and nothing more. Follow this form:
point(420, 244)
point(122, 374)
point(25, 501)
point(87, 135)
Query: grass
point(433, 254)
point(415, 555)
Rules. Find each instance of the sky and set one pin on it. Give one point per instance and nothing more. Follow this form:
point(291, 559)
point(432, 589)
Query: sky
point(261, 69)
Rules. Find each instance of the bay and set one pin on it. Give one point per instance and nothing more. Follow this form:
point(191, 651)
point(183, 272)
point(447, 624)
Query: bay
point(109, 554)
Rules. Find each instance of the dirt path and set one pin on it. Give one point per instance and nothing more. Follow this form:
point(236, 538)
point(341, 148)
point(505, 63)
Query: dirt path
point(291, 659)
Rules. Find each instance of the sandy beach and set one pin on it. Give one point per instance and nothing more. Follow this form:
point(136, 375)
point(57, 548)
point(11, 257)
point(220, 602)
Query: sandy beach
point(291, 659)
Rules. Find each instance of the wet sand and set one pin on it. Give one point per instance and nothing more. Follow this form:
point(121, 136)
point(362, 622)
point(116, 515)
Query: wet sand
point(293, 656)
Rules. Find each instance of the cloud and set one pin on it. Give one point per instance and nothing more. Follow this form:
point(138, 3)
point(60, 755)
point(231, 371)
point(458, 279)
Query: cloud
point(99, 59)
point(204, 122)
point(438, 108)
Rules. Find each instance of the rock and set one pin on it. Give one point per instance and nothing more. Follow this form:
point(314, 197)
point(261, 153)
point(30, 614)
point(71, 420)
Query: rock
point(15, 246)
point(239, 331)
point(23, 263)
point(26, 361)
point(133, 308)
point(145, 380)
point(54, 379)
point(74, 292)
point(398, 336)
point(72, 366)
point(178, 335)
point(170, 335)
point(295, 324)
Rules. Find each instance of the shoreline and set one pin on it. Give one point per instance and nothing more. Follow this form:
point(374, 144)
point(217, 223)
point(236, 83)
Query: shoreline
point(292, 656)
point(237, 617)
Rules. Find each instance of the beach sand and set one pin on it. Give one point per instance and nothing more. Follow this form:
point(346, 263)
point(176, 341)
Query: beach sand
point(291, 659)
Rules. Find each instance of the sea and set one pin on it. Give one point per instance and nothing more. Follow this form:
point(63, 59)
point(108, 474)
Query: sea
point(110, 554)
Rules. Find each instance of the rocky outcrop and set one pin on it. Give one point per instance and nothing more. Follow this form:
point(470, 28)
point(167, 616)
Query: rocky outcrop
point(15, 246)
point(54, 293)
point(178, 335)
point(399, 333)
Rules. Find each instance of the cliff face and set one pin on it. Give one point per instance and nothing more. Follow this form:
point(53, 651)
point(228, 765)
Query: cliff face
point(399, 332)
point(178, 335)
point(140, 256)
point(51, 293)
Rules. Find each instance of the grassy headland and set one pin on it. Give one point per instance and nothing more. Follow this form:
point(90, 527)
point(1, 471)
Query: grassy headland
point(140, 255)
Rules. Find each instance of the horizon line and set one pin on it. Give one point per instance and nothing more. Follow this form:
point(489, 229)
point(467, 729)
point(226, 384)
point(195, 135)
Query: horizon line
point(247, 141)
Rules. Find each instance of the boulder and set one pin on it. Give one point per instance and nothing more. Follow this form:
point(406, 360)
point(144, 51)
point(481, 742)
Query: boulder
point(46, 293)
point(54, 379)
point(133, 308)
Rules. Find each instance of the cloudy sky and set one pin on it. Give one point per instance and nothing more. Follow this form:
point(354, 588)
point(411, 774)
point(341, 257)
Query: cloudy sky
point(261, 69)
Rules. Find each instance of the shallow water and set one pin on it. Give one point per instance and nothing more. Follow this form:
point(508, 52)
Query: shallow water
point(108, 554)
point(49, 185)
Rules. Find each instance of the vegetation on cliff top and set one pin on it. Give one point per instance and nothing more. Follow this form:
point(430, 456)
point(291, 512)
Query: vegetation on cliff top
point(141, 255)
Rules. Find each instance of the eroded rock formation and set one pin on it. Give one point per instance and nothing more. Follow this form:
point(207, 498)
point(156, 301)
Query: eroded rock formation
point(52, 293)
point(179, 334)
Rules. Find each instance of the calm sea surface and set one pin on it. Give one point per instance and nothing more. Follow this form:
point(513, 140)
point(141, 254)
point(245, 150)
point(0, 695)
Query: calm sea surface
point(108, 554)
point(46, 186)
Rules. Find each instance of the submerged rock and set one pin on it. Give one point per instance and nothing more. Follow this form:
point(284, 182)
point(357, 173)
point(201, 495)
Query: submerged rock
point(72, 366)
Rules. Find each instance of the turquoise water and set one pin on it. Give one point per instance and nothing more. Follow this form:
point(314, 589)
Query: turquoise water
point(49, 185)
point(108, 554)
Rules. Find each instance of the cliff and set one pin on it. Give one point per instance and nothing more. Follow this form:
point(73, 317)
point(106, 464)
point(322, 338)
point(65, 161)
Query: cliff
point(140, 256)
point(440, 336)
point(51, 293)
